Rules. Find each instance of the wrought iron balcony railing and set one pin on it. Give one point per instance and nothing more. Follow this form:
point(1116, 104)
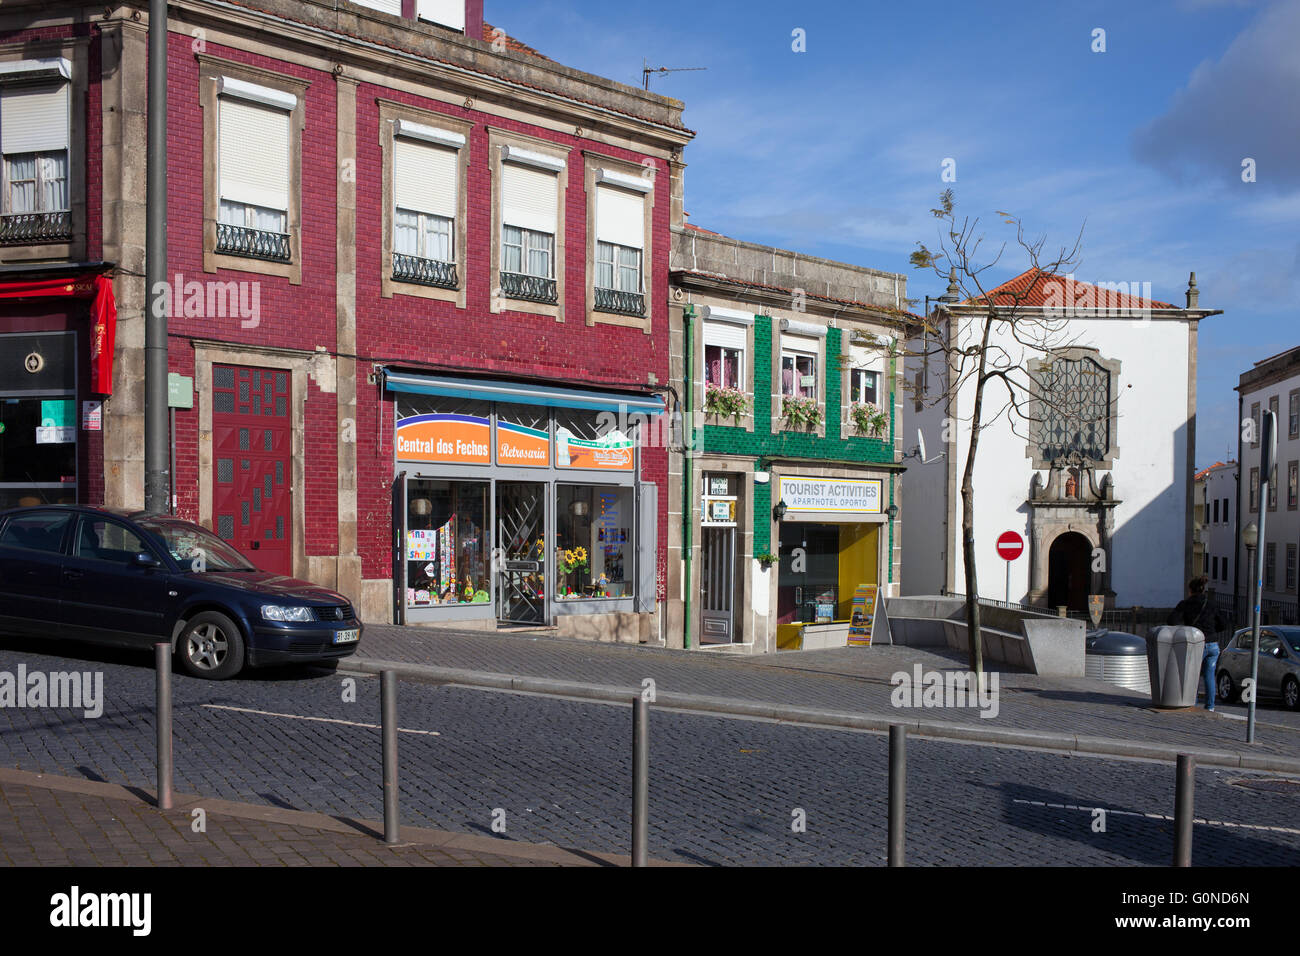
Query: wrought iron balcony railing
point(532, 288)
point(252, 243)
point(625, 303)
point(424, 271)
point(28, 227)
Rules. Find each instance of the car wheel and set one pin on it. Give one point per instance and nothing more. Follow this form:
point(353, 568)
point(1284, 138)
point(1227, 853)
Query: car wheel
point(1291, 693)
point(211, 646)
point(1227, 692)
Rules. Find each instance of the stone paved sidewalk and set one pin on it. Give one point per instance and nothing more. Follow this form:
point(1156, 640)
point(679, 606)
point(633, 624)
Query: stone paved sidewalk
point(48, 820)
point(849, 680)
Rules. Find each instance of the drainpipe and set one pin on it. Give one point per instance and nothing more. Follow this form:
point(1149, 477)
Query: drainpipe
point(688, 440)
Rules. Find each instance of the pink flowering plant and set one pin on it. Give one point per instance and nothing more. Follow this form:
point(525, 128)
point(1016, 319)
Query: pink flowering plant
point(801, 412)
point(869, 419)
point(725, 402)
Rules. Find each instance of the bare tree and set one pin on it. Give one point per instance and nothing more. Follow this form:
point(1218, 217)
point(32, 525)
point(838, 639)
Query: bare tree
point(976, 346)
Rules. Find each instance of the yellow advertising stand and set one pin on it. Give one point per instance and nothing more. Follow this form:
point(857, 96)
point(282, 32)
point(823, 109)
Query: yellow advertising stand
point(863, 618)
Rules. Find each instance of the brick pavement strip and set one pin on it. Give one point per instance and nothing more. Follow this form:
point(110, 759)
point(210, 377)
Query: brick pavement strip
point(52, 820)
point(850, 688)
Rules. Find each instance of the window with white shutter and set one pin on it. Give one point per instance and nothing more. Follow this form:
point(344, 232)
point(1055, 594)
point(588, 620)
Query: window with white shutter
point(724, 355)
point(424, 222)
point(34, 121)
point(253, 171)
point(529, 220)
point(386, 6)
point(447, 13)
point(620, 238)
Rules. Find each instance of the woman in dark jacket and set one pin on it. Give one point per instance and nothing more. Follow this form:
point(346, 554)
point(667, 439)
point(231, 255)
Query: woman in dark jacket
point(1195, 610)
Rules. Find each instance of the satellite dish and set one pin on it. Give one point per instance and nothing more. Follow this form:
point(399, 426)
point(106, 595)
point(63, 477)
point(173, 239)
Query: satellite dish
point(920, 442)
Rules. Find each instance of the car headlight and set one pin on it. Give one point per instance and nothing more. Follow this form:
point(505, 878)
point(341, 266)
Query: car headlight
point(273, 612)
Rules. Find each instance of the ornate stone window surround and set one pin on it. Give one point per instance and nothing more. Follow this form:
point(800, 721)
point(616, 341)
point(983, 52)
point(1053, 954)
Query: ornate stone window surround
point(1036, 409)
point(595, 164)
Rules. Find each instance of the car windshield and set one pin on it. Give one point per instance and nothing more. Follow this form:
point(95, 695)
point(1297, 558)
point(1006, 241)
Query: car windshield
point(194, 547)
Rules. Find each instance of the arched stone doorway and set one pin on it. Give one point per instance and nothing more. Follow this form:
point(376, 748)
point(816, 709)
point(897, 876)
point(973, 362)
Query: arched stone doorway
point(1069, 573)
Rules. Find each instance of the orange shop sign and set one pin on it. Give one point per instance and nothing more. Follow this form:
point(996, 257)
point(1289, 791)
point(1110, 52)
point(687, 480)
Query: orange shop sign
point(463, 439)
point(519, 445)
point(612, 452)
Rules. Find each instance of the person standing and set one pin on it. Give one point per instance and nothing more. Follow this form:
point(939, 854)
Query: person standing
point(1196, 611)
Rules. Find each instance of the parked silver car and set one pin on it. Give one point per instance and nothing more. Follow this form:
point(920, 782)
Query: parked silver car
point(1279, 665)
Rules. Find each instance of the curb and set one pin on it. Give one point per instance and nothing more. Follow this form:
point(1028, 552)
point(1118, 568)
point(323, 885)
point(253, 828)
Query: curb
point(813, 717)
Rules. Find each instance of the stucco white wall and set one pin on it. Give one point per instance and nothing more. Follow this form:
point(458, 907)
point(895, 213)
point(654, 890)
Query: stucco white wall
point(1149, 476)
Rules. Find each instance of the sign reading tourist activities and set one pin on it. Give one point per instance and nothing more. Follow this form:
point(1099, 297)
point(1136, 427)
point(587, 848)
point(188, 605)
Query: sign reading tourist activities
point(847, 498)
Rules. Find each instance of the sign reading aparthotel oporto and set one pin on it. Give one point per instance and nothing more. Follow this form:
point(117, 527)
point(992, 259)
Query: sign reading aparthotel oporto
point(845, 497)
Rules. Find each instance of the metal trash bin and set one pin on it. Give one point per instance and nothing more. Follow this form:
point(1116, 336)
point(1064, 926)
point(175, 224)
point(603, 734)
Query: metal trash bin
point(1117, 657)
point(1174, 656)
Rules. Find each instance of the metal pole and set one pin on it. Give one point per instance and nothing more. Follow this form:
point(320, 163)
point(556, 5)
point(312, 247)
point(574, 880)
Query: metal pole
point(897, 791)
point(1007, 599)
point(156, 466)
point(388, 720)
point(1267, 459)
point(640, 779)
point(1183, 800)
point(162, 653)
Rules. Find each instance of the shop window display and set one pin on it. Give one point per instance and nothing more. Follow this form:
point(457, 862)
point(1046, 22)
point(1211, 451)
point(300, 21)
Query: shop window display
point(595, 542)
point(446, 554)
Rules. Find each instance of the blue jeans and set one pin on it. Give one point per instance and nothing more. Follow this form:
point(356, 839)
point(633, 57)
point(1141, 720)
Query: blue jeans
point(1209, 664)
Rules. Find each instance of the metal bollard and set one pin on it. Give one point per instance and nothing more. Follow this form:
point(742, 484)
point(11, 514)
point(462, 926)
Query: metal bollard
point(1183, 800)
point(388, 721)
point(640, 779)
point(162, 655)
point(897, 791)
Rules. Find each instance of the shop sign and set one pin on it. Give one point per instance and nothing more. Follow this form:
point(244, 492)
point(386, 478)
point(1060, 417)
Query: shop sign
point(718, 511)
point(519, 445)
point(92, 416)
point(863, 617)
point(612, 452)
point(832, 495)
point(462, 439)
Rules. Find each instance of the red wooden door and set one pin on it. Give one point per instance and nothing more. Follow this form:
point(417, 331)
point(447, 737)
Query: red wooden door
point(252, 441)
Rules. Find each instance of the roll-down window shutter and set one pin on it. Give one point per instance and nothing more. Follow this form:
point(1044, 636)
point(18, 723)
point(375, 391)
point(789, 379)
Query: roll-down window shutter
point(34, 119)
point(620, 217)
point(426, 177)
point(253, 153)
point(529, 198)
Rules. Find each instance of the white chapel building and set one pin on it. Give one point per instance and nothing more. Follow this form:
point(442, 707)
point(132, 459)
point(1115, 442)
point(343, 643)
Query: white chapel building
point(1094, 472)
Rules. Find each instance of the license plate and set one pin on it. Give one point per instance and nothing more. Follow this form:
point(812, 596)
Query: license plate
point(347, 637)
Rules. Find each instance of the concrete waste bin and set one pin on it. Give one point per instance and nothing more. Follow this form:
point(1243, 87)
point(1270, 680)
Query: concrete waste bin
point(1174, 657)
point(1118, 658)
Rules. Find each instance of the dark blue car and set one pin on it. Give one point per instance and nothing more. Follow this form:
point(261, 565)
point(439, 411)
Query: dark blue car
point(136, 579)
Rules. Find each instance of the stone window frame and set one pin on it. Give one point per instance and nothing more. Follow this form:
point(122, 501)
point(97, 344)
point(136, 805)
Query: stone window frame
point(1255, 420)
point(1252, 491)
point(780, 327)
point(880, 365)
point(211, 68)
point(745, 421)
point(1293, 421)
point(1273, 496)
point(1292, 468)
point(76, 50)
point(497, 139)
point(593, 162)
point(389, 113)
point(1034, 407)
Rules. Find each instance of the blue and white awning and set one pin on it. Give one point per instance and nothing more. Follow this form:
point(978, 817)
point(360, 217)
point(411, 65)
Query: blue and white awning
point(522, 394)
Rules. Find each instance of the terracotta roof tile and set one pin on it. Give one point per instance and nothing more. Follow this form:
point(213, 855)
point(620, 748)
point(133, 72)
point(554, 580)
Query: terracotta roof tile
point(514, 46)
point(1034, 288)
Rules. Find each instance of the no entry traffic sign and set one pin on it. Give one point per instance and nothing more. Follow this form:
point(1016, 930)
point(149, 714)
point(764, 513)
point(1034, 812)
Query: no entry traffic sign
point(1010, 545)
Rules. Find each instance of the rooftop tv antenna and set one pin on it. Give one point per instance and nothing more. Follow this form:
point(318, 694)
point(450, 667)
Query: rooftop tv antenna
point(646, 70)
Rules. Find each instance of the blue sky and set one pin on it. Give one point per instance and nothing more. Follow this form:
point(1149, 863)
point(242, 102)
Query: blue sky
point(837, 151)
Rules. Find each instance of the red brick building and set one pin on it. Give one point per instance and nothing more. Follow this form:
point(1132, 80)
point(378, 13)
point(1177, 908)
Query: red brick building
point(417, 296)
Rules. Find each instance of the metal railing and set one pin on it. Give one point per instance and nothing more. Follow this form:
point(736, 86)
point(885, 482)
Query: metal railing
point(252, 243)
point(432, 272)
point(25, 227)
point(514, 285)
point(624, 303)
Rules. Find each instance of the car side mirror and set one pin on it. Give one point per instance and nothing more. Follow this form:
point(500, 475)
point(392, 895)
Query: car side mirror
point(143, 559)
point(1278, 652)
